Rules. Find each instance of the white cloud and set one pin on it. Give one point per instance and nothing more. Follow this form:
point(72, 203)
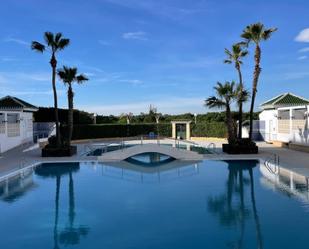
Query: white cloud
point(296, 75)
point(303, 36)
point(302, 57)
point(168, 104)
point(133, 82)
point(104, 43)
point(16, 40)
point(163, 8)
point(139, 35)
point(304, 50)
point(8, 59)
point(31, 92)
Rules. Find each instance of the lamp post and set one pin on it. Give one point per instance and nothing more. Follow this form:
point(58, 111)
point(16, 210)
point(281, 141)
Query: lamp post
point(195, 116)
point(95, 118)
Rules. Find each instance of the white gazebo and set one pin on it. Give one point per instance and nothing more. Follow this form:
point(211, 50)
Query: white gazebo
point(16, 124)
point(286, 119)
point(181, 129)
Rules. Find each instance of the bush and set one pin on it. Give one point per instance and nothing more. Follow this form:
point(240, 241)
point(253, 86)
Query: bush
point(209, 129)
point(120, 130)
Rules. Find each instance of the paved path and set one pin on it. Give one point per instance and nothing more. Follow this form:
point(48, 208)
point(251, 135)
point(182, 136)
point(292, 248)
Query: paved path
point(290, 159)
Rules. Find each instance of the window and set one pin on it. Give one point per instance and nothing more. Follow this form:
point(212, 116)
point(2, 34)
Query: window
point(284, 114)
point(299, 114)
point(2, 123)
point(13, 124)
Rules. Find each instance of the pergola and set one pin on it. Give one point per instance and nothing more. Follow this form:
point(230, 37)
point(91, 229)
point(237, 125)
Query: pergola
point(176, 128)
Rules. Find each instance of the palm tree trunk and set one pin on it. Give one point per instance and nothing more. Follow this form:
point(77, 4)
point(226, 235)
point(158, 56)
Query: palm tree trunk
point(53, 63)
point(229, 123)
point(255, 214)
point(71, 201)
point(242, 207)
point(240, 104)
point(58, 182)
point(257, 71)
point(70, 114)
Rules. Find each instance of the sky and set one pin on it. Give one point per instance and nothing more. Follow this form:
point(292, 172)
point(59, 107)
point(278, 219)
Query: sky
point(168, 53)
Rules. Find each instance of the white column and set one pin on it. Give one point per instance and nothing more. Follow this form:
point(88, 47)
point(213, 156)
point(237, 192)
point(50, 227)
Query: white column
point(188, 132)
point(292, 185)
point(174, 130)
point(291, 123)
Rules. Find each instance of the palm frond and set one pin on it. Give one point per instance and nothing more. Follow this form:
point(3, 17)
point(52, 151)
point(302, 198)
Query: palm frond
point(39, 47)
point(227, 61)
point(214, 102)
point(268, 32)
point(63, 43)
point(256, 32)
point(58, 37)
point(81, 78)
point(49, 38)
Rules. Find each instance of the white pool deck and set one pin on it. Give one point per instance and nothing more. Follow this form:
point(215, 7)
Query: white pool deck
point(22, 157)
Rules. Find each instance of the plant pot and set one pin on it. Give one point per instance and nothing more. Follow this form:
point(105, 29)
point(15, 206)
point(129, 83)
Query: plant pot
point(240, 149)
point(59, 152)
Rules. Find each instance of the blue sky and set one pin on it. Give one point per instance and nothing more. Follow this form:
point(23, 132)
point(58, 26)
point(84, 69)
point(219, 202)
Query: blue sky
point(167, 53)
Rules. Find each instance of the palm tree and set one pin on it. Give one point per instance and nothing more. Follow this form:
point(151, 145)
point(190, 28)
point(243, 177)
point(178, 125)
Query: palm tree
point(225, 95)
point(69, 76)
point(256, 33)
point(53, 44)
point(235, 56)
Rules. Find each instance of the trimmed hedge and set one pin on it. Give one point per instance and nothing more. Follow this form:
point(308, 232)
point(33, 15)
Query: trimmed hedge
point(207, 129)
point(119, 130)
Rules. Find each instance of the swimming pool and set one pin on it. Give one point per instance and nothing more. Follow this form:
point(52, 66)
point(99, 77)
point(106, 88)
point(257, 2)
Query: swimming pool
point(113, 147)
point(210, 204)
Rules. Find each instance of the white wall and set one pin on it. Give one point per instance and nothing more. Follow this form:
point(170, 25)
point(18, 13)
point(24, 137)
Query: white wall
point(270, 118)
point(26, 131)
point(295, 136)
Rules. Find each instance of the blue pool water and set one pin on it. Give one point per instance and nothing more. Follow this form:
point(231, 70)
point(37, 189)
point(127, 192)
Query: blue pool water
point(109, 148)
point(212, 204)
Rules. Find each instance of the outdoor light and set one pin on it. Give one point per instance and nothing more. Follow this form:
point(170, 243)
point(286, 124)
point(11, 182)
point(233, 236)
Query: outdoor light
point(195, 116)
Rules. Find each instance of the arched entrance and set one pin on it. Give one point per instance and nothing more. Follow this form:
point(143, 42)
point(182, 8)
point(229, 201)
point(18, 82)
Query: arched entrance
point(181, 130)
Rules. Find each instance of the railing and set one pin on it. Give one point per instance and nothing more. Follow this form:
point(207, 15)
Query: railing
point(24, 166)
point(272, 163)
point(212, 147)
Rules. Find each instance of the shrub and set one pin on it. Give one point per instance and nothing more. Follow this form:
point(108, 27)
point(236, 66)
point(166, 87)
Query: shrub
point(120, 130)
point(209, 129)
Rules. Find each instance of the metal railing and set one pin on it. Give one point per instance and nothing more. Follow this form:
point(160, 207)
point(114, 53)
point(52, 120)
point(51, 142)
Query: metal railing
point(271, 163)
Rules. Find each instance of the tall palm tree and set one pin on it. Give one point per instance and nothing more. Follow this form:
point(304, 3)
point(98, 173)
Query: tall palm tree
point(235, 56)
point(225, 96)
point(256, 33)
point(69, 75)
point(53, 44)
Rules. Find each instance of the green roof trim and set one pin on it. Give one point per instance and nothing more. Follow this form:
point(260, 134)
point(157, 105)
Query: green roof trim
point(285, 100)
point(13, 103)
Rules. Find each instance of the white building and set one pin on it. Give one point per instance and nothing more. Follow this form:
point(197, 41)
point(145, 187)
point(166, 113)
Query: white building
point(286, 119)
point(16, 122)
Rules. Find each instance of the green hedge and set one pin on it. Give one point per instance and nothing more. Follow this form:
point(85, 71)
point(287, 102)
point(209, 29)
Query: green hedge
point(209, 129)
point(119, 130)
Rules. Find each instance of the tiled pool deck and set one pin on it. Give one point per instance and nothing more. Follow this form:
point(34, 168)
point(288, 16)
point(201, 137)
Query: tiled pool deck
point(290, 159)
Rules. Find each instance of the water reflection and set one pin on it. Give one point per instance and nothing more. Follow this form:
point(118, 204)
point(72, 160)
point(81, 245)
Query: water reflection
point(16, 187)
point(150, 159)
point(167, 171)
point(71, 234)
point(231, 207)
point(285, 181)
